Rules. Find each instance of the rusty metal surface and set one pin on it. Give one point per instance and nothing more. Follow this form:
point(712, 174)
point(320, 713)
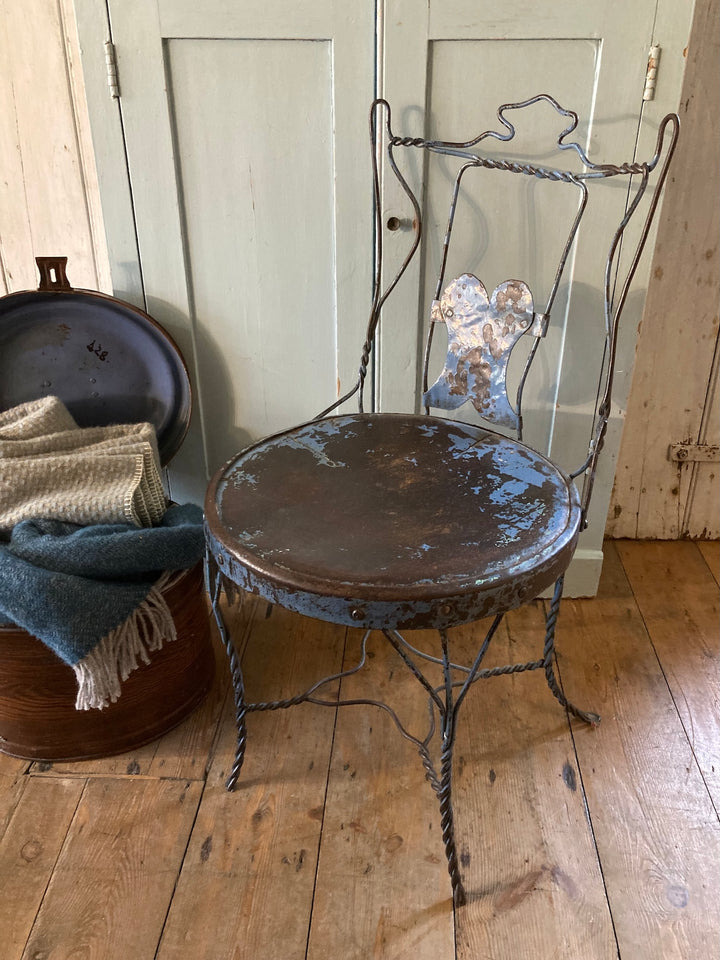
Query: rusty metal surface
point(694, 452)
point(392, 520)
point(481, 334)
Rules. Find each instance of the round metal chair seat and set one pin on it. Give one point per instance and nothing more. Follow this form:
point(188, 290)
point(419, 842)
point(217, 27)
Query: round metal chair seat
point(392, 521)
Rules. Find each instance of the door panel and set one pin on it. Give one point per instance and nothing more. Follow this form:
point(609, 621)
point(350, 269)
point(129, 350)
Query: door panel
point(245, 132)
point(446, 71)
point(258, 225)
point(465, 63)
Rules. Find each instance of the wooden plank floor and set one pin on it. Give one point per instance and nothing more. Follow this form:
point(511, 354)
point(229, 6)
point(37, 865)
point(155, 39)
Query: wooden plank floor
point(574, 842)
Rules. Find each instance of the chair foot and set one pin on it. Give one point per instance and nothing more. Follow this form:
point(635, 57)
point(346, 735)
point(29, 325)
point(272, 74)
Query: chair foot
point(459, 896)
point(232, 779)
point(586, 715)
point(548, 661)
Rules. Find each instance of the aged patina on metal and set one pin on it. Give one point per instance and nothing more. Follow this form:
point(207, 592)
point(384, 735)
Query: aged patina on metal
point(481, 334)
point(393, 522)
point(430, 511)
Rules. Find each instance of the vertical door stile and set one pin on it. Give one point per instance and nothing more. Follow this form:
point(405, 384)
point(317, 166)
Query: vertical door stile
point(354, 72)
point(147, 126)
point(404, 75)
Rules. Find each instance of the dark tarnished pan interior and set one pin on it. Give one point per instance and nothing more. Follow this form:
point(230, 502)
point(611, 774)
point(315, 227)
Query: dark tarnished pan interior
point(108, 361)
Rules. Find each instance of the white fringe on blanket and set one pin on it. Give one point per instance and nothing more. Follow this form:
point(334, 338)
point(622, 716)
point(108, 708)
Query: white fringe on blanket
point(111, 661)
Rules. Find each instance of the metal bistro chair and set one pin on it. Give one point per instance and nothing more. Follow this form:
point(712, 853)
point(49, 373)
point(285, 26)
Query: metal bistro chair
point(394, 522)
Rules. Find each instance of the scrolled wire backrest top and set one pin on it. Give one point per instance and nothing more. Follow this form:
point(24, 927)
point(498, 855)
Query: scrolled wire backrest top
point(462, 149)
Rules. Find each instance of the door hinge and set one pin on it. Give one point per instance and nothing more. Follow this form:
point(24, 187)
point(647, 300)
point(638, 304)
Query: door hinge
point(694, 452)
point(112, 70)
point(651, 73)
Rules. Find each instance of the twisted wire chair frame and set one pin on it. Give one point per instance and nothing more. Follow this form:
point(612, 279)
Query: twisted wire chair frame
point(445, 700)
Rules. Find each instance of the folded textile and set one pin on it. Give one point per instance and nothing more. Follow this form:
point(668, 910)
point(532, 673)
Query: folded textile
point(50, 467)
point(93, 594)
point(35, 418)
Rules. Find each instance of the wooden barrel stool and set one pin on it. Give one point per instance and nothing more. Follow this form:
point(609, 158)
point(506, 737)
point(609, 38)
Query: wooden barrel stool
point(38, 719)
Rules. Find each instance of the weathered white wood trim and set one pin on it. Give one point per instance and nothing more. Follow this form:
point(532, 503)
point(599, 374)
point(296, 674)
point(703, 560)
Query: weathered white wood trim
point(86, 155)
point(583, 575)
point(109, 149)
point(49, 202)
point(655, 497)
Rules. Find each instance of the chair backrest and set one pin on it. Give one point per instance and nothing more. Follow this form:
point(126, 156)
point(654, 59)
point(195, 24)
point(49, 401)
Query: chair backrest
point(482, 327)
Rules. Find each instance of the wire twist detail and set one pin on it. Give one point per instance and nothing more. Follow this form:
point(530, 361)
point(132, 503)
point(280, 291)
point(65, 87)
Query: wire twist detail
point(447, 821)
point(549, 655)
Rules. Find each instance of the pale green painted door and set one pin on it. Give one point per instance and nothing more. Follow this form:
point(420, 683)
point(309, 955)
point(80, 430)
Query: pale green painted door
point(245, 134)
point(448, 66)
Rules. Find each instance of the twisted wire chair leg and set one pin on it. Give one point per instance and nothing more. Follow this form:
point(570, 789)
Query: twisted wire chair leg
point(240, 714)
point(447, 821)
point(214, 583)
point(549, 655)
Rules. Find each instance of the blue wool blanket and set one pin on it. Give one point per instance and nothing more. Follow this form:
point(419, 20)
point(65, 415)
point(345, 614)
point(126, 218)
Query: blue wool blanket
point(94, 594)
